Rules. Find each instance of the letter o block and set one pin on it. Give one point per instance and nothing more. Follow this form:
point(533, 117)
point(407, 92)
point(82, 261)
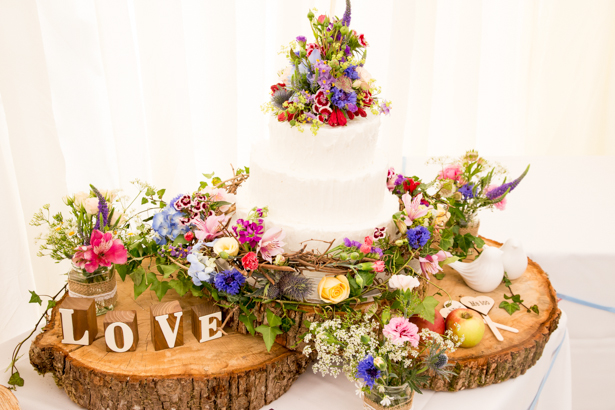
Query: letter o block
point(121, 331)
point(167, 325)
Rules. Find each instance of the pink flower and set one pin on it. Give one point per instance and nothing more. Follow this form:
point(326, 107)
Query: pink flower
point(271, 243)
point(379, 266)
point(321, 18)
point(429, 264)
point(500, 205)
point(379, 232)
point(391, 178)
point(413, 207)
point(452, 171)
point(102, 251)
point(210, 228)
point(220, 195)
point(400, 330)
point(362, 40)
point(250, 261)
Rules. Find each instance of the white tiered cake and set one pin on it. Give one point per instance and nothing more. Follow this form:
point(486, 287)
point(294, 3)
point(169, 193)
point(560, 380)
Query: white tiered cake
point(326, 186)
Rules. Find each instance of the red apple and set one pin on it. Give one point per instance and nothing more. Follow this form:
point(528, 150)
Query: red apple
point(466, 323)
point(437, 326)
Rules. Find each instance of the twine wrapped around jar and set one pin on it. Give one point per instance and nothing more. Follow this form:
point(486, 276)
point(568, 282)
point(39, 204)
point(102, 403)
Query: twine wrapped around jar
point(102, 287)
point(472, 228)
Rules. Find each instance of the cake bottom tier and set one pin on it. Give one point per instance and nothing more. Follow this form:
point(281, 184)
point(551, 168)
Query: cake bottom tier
point(316, 235)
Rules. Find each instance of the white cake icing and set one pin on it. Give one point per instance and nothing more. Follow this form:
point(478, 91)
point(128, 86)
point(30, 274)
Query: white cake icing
point(325, 186)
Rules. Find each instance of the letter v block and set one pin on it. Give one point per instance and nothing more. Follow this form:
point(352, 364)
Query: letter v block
point(78, 317)
point(167, 325)
point(206, 319)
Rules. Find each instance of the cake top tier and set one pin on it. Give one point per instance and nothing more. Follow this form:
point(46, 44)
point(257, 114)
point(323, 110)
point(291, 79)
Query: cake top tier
point(326, 83)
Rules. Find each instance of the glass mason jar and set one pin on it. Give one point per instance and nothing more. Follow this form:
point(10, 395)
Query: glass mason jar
point(388, 397)
point(99, 285)
point(471, 226)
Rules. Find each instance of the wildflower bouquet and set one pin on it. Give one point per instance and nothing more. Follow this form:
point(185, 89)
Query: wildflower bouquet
point(326, 81)
point(381, 349)
point(89, 237)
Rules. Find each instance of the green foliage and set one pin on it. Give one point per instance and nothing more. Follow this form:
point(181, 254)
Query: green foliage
point(271, 330)
point(35, 298)
point(248, 320)
point(16, 380)
point(509, 307)
point(427, 309)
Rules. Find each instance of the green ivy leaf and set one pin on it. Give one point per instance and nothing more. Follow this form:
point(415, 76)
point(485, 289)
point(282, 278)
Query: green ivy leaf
point(509, 307)
point(160, 193)
point(138, 277)
point(209, 176)
point(144, 201)
point(534, 308)
point(269, 334)
point(16, 380)
point(447, 238)
point(150, 192)
point(248, 321)
point(180, 286)
point(196, 291)
point(51, 304)
point(287, 323)
point(122, 270)
point(517, 299)
point(35, 298)
point(440, 276)
point(166, 270)
point(273, 319)
point(427, 309)
point(157, 286)
point(506, 281)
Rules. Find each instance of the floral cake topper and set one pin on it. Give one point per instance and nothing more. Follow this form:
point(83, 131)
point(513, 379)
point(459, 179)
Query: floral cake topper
point(326, 81)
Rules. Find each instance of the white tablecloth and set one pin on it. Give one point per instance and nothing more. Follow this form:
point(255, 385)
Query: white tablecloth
point(312, 391)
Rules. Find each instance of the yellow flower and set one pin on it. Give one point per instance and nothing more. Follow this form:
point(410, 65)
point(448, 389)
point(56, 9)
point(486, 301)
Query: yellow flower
point(71, 233)
point(228, 245)
point(334, 289)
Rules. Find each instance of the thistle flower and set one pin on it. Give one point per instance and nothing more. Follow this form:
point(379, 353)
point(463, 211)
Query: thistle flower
point(441, 361)
point(294, 287)
point(280, 96)
point(503, 189)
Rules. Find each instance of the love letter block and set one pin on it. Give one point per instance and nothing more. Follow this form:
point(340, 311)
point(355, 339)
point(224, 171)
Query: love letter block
point(167, 325)
point(206, 319)
point(78, 317)
point(121, 331)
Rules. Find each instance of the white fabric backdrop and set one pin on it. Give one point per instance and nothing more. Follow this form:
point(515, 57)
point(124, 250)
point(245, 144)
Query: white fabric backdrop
point(105, 91)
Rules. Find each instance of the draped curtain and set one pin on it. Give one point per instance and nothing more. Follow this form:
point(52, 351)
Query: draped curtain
point(107, 91)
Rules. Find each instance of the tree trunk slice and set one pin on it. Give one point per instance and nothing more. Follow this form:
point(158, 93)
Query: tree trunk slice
point(7, 399)
point(232, 372)
point(492, 361)
point(292, 338)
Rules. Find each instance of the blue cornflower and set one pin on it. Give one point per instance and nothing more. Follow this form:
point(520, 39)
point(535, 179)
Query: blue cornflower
point(229, 281)
point(418, 237)
point(341, 98)
point(351, 72)
point(367, 371)
point(167, 225)
point(468, 191)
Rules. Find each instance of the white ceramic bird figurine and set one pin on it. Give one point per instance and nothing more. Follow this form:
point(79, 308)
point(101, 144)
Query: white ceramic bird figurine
point(514, 258)
point(484, 274)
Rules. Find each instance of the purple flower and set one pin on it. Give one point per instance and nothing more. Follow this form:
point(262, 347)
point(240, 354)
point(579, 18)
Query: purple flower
point(229, 281)
point(324, 78)
point(384, 108)
point(347, 51)
point(301, 39)
point(418, 237)
point(341, 98)
point(346, 17)
point(468, 191)
point(103, 209)
point(377, 251)
point(501, 190)
point(347, 242)
point(367, 371)
point(400, 179)
point(249, 232)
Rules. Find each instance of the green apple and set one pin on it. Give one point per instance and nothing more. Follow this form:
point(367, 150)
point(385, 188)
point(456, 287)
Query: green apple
point(466, 323)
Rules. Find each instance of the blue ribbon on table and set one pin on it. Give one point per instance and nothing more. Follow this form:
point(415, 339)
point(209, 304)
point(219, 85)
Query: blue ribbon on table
point(544, 379)
point(585, 303)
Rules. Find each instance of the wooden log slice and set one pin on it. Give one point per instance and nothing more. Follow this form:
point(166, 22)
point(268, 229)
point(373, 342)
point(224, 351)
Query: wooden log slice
point(492, 361)
point(292, 338)
point(232, 372)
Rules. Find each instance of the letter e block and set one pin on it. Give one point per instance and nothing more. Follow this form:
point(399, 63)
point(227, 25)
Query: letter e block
point(78, 316)
point(206, 319)
point(121, 331)
point(167, 325)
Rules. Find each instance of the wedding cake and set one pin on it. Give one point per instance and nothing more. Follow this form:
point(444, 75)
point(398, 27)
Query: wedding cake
point(330, 183)
point(326, 186)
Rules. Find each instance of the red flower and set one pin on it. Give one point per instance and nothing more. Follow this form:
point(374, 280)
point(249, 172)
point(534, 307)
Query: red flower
point(361, 112)
point(333, 120)
point(325, 112)
point(337, 118)
point(290, 116)
point(410, 185)
point(321, 98)
point(311, 47)
point(350, 115)
point(341, 118)
point(368, 100)
point(282, 117)
point(250, 261)
point(362, 40)
point(189, 236)
point(277, 87)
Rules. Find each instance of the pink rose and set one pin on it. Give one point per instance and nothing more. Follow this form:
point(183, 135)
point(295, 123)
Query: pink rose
point(400, 330)
point(379, 266)
point(452, 171)
point(368, 240)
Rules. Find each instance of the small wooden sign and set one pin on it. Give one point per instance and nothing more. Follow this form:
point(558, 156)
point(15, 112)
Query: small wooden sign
point(78, 316)
point(206, 321)
point(167, 325)
point(121, 331)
